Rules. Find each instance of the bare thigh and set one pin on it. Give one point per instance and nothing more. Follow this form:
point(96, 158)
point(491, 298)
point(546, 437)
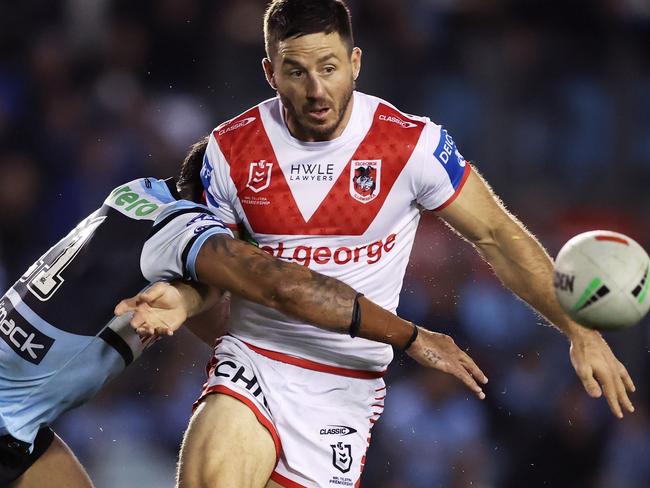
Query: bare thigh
point(225, 446)
point(57, 467)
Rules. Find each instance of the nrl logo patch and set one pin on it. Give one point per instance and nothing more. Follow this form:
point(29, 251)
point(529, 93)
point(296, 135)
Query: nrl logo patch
point(342, 456)
point(365, 179)
point(259, 175)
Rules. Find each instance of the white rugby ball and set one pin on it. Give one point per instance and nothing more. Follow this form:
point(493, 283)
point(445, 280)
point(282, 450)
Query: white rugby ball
point(601, 280)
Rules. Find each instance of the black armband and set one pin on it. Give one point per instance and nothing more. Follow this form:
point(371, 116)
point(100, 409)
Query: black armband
point(355, 324)
point(414, 336)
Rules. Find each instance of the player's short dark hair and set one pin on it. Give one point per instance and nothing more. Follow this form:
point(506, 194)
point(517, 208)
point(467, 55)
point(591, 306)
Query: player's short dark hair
point(285, 19)
point(189, 181)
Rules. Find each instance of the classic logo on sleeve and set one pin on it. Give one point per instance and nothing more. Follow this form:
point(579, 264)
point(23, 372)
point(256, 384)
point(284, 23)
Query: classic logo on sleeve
point(396, 120)
point(365, 179)
point(259, 175)
point(229, 126)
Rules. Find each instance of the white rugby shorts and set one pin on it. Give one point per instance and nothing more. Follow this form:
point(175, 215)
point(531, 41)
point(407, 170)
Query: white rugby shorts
point(320, 416)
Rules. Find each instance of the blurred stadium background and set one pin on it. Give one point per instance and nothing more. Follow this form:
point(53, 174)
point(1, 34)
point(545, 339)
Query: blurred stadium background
point(552, 101)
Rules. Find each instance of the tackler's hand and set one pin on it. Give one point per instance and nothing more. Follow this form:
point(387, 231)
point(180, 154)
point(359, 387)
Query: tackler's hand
point(158, 311)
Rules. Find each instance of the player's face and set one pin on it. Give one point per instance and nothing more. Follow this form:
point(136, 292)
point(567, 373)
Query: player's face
point(314, 77)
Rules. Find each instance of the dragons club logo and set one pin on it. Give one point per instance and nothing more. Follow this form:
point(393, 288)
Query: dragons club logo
point(365, 179)
point(259, 175)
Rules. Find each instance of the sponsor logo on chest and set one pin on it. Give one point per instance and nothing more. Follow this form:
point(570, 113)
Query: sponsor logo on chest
point(311, 172)
point(307, 255)
point(365, 179)
point(25, 339)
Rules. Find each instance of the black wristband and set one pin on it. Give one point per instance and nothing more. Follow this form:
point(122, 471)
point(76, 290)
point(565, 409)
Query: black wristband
point(355, 324)
point(414, 336)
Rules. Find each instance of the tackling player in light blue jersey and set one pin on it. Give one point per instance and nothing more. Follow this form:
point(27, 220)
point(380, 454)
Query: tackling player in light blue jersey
point(60, 342)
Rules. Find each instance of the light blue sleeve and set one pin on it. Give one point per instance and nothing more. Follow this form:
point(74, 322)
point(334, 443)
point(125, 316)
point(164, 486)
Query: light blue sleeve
point(176, 239)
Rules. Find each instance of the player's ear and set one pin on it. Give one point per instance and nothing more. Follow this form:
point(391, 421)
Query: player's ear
point(267, 66)
point(355, 58)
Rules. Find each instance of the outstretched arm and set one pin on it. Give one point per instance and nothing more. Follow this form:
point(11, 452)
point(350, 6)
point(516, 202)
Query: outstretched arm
point(523, 265)
point(203, 310)
point(241, 268)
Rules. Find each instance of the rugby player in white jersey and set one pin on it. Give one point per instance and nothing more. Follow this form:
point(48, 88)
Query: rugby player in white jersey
point(336, 180)
point(59, 341)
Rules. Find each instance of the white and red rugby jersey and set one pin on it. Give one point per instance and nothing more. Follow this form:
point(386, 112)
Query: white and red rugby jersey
point(347, 208)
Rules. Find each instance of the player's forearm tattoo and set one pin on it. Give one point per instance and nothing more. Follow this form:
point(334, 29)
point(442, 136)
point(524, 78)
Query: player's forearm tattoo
point(293, 289)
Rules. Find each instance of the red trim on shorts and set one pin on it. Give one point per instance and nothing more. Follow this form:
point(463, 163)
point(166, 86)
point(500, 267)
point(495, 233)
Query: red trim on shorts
point(314, 366)
point(612, 239)
point(363, 465)
point(363, 458)
point(233, 226)
point(224, 390)
point(457, 192)
point(208, 368)
point(285, 482)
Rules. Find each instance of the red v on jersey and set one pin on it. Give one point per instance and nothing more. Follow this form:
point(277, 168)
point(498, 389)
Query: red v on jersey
point(354, 200)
